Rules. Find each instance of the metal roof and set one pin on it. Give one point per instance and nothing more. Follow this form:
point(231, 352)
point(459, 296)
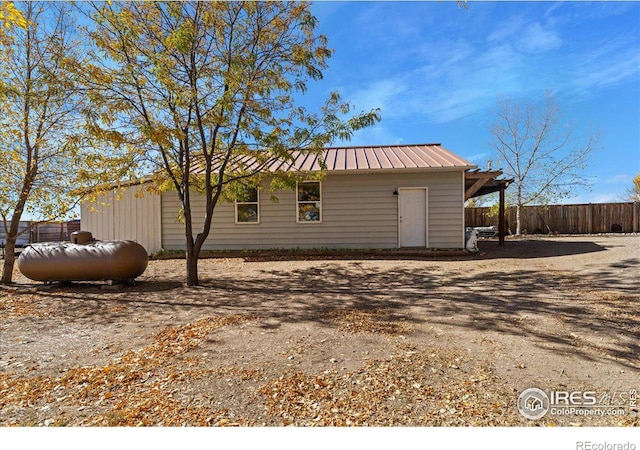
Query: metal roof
point(383, 157)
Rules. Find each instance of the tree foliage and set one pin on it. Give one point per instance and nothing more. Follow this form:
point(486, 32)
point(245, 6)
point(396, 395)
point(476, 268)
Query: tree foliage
point(44, 158)
point(209, 92)
point(10, 17)
point(542, 154)
point(634, 190)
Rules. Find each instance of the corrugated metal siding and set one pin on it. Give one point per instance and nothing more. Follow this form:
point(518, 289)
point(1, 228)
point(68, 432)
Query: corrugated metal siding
point(120, 215)
point(98, 217)
point(359, 211)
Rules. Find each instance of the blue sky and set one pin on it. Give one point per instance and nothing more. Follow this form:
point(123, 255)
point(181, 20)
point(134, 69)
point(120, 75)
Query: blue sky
point(437, 70)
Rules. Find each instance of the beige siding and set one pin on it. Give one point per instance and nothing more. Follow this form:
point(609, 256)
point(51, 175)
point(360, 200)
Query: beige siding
point(358, 211)
point(121, 215)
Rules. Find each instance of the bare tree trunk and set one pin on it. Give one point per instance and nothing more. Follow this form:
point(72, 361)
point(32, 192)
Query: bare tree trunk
point(192, 254)
point(14, 228)
point(518, 208)
point(10, 248)
point(9, 261)
point(192, 251)
point(192, 266)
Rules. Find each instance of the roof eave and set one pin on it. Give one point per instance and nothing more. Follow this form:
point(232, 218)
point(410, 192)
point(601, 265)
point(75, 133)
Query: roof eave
point(387, 170)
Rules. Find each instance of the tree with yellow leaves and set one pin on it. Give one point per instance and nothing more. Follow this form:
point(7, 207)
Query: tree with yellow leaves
point(210, 91)
point(633, 192)
point(10, 17)
point(45, 159)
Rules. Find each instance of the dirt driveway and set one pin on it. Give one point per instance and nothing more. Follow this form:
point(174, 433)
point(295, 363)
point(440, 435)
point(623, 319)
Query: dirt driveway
point(446, 341)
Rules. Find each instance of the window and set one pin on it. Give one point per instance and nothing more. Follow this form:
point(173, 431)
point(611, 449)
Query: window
point(309, 204)
point(247, 207)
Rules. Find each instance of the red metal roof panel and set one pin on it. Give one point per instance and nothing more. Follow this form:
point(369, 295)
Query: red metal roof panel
point(423, 156)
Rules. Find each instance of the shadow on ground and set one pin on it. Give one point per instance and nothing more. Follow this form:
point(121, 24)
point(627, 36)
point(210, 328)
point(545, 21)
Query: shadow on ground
point(512, 302)
point(535, 248)
point(489, 248)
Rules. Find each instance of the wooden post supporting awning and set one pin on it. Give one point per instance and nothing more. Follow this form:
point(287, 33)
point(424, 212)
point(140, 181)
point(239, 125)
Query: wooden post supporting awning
point(501, 227)
point(478, 183)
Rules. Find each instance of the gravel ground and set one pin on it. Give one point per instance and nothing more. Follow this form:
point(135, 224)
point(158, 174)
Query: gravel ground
point(350, 342)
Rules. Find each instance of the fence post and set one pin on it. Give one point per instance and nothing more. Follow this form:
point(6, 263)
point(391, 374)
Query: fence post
point(590, 219)
point(501, 230)
point(636, 217)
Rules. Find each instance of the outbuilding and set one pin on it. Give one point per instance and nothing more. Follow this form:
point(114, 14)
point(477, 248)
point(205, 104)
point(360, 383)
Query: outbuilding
point(382, 197)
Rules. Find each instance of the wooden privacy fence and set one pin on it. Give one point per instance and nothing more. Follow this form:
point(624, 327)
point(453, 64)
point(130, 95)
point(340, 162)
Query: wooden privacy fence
point(42, 232)
point(564, 219)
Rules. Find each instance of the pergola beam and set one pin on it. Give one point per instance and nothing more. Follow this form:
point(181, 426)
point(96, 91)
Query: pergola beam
point(475, 187)
point(482, 174)
point(478, 183)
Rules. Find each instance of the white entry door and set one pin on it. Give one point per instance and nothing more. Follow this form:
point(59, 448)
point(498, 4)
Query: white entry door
point(412, 217)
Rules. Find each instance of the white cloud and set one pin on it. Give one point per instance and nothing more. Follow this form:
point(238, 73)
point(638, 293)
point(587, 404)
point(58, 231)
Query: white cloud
point(575, 13)
point(383, 94)
point(608, 65)
point(444, 75)
point(386, 23)
point(617, 179)
point(536, 39)
point(606, 198)
point(461, 89)
point(478, 158)
point(506, 29)
point(459, 85)
point(609, 197)
point(377, 134)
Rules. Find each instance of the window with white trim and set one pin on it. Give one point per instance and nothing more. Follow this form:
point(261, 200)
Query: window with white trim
point(248, 207)
point(309, 202)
